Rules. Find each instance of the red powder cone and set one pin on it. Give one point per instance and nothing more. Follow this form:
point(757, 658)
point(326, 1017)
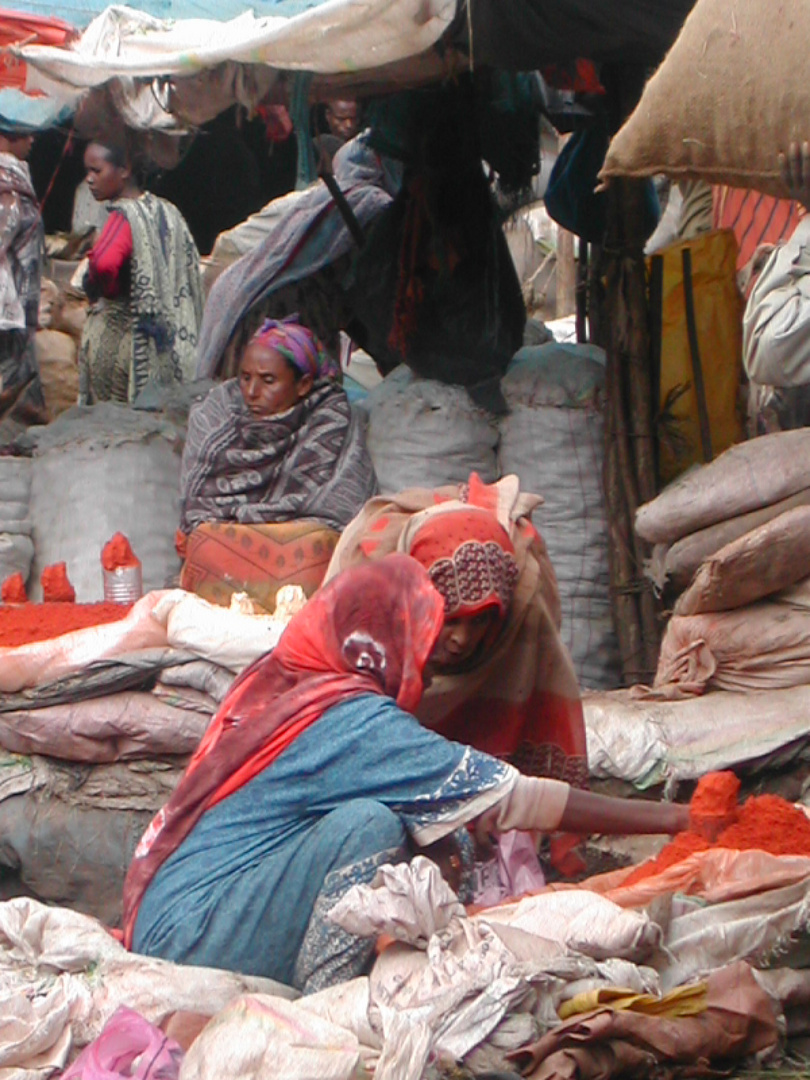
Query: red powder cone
point(56, 588)
point(13, 590)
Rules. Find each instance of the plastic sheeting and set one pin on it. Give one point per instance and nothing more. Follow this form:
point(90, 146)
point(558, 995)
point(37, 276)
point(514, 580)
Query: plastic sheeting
point(62, 976)
point(162, 628)
point(112, 728)
point(453, 993)
point(341, 36)
point(221, 635)
point(647, 741)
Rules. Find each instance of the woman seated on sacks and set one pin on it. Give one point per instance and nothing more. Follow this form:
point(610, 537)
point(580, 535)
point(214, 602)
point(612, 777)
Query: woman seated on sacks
point(274, 467)
point(516, 696)
point(144, 284)
point(314, 773)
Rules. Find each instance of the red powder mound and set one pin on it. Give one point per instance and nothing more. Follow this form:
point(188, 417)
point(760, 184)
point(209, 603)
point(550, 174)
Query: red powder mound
point(768, 823)
point(714, 804)
point(683, 845)
point(56, 589)
point(764, 823)
point(117, 553)
point(716, 794)
point(40, 622)
point(13, 590)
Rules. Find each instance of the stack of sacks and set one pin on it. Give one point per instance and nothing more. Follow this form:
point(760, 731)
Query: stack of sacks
point(739, 531)
point(16, 544)
point(171, 655)
point(118, 708)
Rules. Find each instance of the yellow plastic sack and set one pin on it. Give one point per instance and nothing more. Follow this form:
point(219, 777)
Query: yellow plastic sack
point(685, 1001)
point(718, 309)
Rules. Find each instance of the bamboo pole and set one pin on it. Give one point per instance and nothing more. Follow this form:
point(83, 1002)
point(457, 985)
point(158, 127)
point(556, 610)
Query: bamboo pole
point(630, 462)
point(630, 475)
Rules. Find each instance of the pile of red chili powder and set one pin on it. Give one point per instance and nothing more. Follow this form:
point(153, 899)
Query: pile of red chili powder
point(762, 823)
point(22, 623)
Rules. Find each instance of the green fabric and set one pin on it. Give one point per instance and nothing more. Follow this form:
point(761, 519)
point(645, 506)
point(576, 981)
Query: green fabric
point(105, 353)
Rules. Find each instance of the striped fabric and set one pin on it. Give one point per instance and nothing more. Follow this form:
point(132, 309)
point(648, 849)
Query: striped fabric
point(754, 218)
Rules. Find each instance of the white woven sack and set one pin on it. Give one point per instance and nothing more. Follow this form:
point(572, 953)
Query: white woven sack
point(423, 433)
point(553, 440)
point(97, 472)
point(16, 555)
point(15, 480)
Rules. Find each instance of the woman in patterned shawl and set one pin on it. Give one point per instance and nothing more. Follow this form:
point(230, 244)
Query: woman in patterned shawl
point(314, 773)
point(144, 285)
point(21, 252)
point(275, 465)
point(278, 442)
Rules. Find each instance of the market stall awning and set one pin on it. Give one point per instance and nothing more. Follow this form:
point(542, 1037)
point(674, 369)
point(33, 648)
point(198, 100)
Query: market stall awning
point(332, 37)
point(17, 28)
point(20, 111)
point(81, 12)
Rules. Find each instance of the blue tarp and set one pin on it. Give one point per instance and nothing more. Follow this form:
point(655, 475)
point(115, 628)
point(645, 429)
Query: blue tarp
point(19, 112)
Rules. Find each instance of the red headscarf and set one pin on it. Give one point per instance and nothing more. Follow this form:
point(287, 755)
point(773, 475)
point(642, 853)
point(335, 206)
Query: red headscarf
point(369, 631)
point(470, 560)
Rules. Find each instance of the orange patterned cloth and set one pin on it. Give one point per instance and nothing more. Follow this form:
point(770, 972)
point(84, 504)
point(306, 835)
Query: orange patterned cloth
point(222, 558)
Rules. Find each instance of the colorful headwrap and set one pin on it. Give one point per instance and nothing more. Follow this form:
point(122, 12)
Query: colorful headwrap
point(298, 345)
point(469, 558)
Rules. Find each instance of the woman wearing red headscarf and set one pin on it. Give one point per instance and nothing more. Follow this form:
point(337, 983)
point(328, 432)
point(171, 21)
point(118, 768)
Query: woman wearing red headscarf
point(313, 774)
point(517, 696)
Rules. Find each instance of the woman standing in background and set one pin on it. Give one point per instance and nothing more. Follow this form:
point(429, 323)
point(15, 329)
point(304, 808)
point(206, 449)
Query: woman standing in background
point(144, 285)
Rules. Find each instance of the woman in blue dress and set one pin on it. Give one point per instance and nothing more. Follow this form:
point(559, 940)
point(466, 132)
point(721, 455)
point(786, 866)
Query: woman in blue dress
point(314, 773)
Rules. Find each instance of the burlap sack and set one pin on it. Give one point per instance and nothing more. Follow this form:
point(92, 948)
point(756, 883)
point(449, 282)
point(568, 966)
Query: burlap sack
point(746, 477)
point(764, 561)
point(760, 647)
point(58, 370)
point(730, 95)
point(680, 563)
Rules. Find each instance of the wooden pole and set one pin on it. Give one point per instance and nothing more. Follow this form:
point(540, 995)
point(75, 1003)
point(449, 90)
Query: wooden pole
point(630, 477)
point(566, 274)
point(582, 291)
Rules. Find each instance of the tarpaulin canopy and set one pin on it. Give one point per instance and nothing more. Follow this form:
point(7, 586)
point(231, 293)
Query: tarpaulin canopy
point(18, 28)
point(337, 36)
point(82, 12)
point(18, 111)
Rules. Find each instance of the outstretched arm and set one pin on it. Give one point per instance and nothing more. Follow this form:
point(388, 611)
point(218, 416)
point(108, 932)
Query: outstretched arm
point(534, 804)
point(586, 813)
